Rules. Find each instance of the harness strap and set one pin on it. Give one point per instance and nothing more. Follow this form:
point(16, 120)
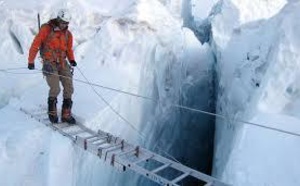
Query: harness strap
point(44, 48)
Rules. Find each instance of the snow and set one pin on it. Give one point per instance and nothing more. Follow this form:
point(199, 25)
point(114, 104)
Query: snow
point(141, 46)
point(202, 10)
point(258, 75)
point(124, 46)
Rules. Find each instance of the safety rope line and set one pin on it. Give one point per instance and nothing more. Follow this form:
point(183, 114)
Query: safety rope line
point(235, 120)
point(17, 68)
point(182, 107)
point(106, 102)
point(115, 90)
point(8, 71)
point(143, 137)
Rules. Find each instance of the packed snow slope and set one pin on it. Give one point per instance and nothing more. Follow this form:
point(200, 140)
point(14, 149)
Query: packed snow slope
point(257, 49)
point(138, 46)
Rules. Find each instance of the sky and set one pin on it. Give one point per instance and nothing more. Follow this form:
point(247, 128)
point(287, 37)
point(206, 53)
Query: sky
point(141, 47)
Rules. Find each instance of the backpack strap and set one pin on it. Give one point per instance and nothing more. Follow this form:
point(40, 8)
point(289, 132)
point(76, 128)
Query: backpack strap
point(43, 48)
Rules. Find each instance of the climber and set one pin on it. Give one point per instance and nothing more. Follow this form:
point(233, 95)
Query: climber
point(55, 43)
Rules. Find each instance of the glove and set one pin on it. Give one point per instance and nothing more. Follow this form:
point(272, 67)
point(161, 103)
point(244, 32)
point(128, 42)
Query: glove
point(30, 66)
point(73, 63)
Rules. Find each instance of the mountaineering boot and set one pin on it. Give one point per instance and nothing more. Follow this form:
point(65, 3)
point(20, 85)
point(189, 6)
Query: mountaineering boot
point(66, 115)
point(52, 111)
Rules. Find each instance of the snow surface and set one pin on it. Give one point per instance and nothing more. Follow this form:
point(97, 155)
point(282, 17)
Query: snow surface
point(133, 46)
point(140, 46)
point(257, 52)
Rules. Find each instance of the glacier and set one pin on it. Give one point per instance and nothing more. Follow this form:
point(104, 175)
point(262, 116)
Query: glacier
point(237, 59)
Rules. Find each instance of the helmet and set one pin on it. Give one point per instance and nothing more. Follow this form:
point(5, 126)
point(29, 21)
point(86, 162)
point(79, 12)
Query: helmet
point(64, 15)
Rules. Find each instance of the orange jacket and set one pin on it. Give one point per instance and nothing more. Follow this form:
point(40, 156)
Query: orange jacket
point(55, 44)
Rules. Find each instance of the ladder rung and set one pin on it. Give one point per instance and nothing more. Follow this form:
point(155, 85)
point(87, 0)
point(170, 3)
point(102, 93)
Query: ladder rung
point(70, 126)
point(61, 126)
point(124, 155)
point(94, 140)
point(102, 138)
point(112, 148)
point(90, 137)
point(117, 147)
point(102, 133)
point(76, 132)
point(181, 177)
point(101, 149)
point(98, 139)
point(161, 168)
point(129, 151)
point(100, 143)
point(143, 159)
point(108, 146)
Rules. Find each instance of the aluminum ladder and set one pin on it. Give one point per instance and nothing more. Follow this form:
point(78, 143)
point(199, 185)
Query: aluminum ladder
point(122, 155)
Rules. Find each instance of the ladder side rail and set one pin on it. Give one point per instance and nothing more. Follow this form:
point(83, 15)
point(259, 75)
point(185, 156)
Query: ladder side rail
point(80, 141)
point(93, 148)
point(164, 166)
point(90, 146)
point(178, 166)
point(91, 136)
point(130, 150)
point(100, 143)
point(140, 153)
point(74, 133)
point(198, 175)
point(67, 135)
point(83, 142)
point(67, 126)
point(60, 126)
point(183, 168)
point(99, 139)
point(148, 174)
point(102, 150)
point(142, 158)
point(194, 173)
point(100, 132)
point(179, 178)
point(108, 152)
point(125, 150)
point(86, 129)
point(71, 129)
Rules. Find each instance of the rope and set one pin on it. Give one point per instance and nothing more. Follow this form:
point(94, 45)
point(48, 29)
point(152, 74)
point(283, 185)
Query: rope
point(143, 137)
point(20, 73)
point(194, 110)
point(235, 120)
point(10, 69)
point(7, 71)
point(173, 105)
point(115, 90)
point(116, 112)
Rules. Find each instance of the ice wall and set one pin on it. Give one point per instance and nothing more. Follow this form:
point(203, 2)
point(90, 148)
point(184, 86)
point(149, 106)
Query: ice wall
point(253, 47)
